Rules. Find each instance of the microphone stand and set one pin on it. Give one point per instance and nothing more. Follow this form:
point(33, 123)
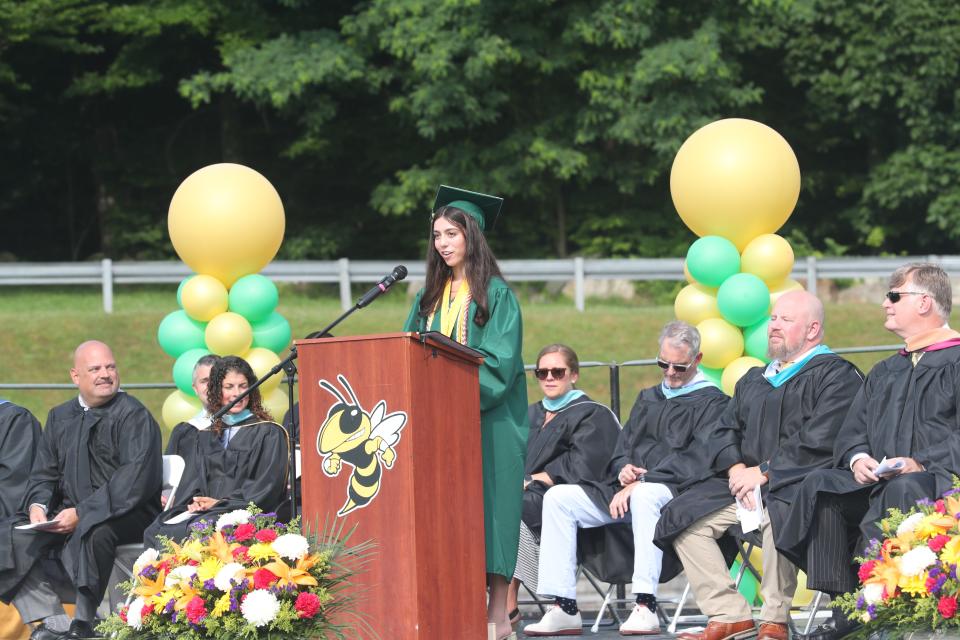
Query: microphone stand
point(290, 368)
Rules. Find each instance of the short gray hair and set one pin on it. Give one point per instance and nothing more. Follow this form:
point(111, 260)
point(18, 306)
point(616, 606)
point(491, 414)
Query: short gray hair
point(680, 333)
point(932, 279)
point(206, 361)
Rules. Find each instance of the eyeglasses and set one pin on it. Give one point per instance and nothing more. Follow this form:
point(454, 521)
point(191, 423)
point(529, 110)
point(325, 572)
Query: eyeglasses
point(558, 373)
point(894, 296)
point(679, 368)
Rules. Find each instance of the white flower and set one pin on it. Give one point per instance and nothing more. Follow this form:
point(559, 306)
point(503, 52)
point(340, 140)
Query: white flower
point(873, 593)
point(180, 575)
point(291, 546)
point(233, 518)
point(147, 557)
point(915, 561)
point(908, 525)
point(260, 607)
point(134, 617)
point(226, 574)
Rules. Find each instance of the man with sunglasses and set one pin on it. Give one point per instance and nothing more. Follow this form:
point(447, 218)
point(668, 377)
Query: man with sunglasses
point(907, 413)
point(644, 473)
point(779, 426)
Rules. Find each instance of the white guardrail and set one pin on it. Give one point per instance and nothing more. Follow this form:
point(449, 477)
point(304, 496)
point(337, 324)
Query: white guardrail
point(345, 272)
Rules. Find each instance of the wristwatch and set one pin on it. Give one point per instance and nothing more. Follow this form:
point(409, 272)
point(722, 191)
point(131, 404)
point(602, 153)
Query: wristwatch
point(528, 478)
point(765, 467)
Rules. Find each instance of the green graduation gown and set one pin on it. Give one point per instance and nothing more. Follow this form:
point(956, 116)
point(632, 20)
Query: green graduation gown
point(503, 418)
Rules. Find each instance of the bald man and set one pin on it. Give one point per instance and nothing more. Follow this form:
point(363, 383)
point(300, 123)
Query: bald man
point(95, 485)
point(778, 427)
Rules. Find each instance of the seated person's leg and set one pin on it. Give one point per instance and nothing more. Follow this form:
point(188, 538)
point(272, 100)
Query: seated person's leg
point(778, 585)
point(646, 500)
point(832, 540)
point(31, 593)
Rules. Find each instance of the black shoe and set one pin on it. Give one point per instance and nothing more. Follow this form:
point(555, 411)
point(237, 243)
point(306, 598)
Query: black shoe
point(80, 630)
point(42, 632)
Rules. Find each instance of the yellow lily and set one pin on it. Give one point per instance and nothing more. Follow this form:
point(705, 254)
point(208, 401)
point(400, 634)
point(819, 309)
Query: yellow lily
point(187, 593)
point(220, 548)
point(290, 575)
point(934, 525)
point(151, 588)
point(886, 572)
point(953, 504)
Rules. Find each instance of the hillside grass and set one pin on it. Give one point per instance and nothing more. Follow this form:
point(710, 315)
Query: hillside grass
point(42, 326)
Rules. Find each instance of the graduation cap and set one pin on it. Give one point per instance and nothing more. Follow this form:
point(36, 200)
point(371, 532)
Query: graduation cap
point(479, 206)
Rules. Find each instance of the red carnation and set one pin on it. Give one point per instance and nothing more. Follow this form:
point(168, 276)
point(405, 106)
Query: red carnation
point(263, 579)
point(145, 611)
point(195, 610)
point(123, 614)
point(244, 532)
point(240, 554)
point(947, 606)
point(866, 570)
point(938, 542)
point(307, 605)
point(939, 506)
point(266, 535)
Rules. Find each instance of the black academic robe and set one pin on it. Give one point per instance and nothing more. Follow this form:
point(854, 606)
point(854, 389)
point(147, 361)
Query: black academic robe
point(252, 468)
point(661, 436)
point(19, 439)
point(573, 447)
point(793, 426)
point(106, 463)
point(901, 410)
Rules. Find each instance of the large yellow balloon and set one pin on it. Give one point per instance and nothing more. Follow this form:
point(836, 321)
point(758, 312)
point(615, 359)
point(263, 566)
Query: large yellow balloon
point(276, 404)
point(261, 361)
point(787, 285)
point(695, 303)
point(203, 297)
point(226, 220)
point(768, 257)
point(179, 407)
point(720, 342)
point(228, 334)
point(735, 370)
point(735, 178)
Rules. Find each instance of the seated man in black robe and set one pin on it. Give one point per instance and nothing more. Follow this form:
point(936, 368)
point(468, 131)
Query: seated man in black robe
point(182, 440)
point(95, 485)
point(779, 426)
point(241, 458)
point(906, 412)
point(644, 473)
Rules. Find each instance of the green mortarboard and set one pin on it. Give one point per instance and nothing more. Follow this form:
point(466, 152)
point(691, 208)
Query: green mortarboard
point(478, 206)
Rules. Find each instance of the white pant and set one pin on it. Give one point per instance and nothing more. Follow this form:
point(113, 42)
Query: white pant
point(566, 508)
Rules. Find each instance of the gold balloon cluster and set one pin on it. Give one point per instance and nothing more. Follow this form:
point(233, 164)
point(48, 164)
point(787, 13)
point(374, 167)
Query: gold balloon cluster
point(226, 222)
point(734, 183)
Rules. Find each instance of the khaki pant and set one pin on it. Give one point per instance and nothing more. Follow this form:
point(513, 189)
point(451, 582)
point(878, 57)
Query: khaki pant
point(710, 578)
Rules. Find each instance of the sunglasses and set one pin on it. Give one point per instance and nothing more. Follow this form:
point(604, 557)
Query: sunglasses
point(894, 296)
point(679, 368)
point(558, 374)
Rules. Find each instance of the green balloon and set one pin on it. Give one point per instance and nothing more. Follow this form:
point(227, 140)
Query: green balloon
point(755, 340)
point(272, 333)
point(183, 370)
point(179, 333)
point(254, 297)
point(180, 289)
point(713, 375)
point(743, 299)
point(712, 259)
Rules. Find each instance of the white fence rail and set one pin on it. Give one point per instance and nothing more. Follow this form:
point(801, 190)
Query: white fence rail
point(345, 272)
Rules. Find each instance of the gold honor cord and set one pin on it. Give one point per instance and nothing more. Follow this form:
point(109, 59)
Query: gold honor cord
point(453, 313)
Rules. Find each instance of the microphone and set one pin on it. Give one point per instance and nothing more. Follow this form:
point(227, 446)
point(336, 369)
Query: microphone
point(399, 273)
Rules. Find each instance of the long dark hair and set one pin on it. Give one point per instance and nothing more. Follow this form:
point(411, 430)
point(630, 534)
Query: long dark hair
point(219, 371)
point(480, 265)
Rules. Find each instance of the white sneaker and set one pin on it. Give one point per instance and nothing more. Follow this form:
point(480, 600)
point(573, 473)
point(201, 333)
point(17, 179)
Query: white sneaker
point(556, 623)
point(642, 622)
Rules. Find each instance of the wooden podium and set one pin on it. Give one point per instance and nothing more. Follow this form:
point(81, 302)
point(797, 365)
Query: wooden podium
point(422, 505)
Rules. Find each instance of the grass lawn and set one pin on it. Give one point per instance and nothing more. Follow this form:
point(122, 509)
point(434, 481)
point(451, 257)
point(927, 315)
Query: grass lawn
point(43, 325)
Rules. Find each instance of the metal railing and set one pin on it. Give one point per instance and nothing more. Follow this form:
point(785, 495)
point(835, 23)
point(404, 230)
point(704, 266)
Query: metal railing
point(345, 272)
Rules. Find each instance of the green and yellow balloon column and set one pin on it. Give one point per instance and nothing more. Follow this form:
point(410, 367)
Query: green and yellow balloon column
point(226, 223)
point(734, 183)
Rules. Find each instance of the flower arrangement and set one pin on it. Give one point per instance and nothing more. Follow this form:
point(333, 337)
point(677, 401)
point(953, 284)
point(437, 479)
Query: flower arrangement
point(244, 575)
point(909, 579)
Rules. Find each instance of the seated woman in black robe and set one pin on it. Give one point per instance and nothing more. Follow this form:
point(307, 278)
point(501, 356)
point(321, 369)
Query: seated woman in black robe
point(241, 458)
point(571, 439)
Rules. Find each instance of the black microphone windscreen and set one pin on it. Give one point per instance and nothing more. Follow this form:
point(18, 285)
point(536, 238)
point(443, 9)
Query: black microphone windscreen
point(400, 272)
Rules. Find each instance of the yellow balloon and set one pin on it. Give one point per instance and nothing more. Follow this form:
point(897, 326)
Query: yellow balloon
point(203, 297)
point(735, 370)
point(179, 407)
point(276, 404)
point(785, 286)
point(802, 596)
point(228, 334)
point(720, 342)
point(695, 303)
point(261, 361)
point(735, 178)
point(769, 257)
point(226, 220)
point(687, 275)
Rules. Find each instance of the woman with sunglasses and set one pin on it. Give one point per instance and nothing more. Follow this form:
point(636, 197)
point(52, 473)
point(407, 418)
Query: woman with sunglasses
point(466, 298)
point(571, 440)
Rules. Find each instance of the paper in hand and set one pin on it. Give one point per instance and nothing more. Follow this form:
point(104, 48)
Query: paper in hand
point(42, 526)
point(750, 519)
point(887, 467)
point(180, 517)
